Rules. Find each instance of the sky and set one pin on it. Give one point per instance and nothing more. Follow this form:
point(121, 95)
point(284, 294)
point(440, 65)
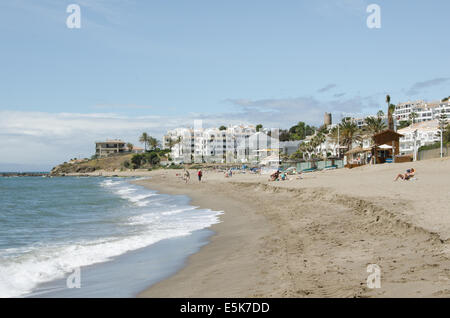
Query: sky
point(137, 66)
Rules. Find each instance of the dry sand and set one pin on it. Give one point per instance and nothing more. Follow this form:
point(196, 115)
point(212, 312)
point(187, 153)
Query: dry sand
point(314, 237)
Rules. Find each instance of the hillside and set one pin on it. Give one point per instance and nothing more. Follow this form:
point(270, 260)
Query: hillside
point(108, 164)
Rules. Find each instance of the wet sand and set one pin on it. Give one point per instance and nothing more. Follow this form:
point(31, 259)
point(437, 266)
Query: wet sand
point(315, 237)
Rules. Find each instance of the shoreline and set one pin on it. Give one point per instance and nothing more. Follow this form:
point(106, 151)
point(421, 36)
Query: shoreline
point(213, 261)
point(125, 275)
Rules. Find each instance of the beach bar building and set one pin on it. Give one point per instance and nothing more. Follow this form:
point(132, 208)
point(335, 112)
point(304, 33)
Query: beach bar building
point(357, 156)
point(386, 146)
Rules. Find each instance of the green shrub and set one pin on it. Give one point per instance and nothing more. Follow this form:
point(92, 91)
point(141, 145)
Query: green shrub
point(432, 146)
point(152, 158)
point(137, 160)
point(174, 166)
point(146, 159)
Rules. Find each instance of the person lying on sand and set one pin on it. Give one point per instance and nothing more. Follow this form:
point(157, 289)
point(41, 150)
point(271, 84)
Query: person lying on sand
point(408, 175)
point(274, 176)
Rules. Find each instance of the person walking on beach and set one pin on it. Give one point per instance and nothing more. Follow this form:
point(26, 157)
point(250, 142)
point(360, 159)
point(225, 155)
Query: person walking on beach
point(199, 174)
point(187, 176)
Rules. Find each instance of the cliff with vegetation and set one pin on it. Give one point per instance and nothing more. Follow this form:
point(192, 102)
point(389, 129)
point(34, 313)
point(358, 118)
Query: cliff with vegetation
point(111, 163)
point(118, 162)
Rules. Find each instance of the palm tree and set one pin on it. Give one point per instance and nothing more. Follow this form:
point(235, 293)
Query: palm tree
point(153, 143)
point(335, 135)
point(413, 116)
point(144, 139)
point(390, 109)
point(375, 125)
point(310, 149)
point(390, 112)
point(305, 149)
point(380, 113)
point(301, 149)
point(130, 146)
point(349, 132)
point(317, 141)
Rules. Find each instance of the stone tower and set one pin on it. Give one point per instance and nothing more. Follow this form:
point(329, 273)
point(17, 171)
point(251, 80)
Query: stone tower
point(327, 119)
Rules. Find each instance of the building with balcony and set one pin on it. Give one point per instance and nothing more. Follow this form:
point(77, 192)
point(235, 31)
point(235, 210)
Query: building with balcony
point(423, 133)
point(211, 145)
point(109, 147)
point(425, 111)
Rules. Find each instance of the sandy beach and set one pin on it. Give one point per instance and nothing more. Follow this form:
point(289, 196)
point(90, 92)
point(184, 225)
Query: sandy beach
point(315, 236)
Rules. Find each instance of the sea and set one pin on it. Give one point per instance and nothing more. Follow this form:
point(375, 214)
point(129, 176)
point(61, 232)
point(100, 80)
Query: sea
point(93, 236)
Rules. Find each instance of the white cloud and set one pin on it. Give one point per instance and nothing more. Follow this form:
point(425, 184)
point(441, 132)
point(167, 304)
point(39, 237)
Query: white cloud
point(50, 138)
point(418, 87)
point(287, 111)
point(37, 137)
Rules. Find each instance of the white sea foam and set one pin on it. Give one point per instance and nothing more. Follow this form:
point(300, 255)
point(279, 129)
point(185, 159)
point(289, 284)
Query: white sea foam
point(22, 270)
point(128, 192)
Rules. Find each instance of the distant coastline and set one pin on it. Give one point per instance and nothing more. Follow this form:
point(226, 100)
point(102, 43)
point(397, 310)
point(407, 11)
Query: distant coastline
point(24, 174)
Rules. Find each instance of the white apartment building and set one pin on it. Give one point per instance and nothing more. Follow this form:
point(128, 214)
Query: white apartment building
point(425, 111)
point(329, 146)
point(183, 144)
point(210, 145)
point(426, 132)
point(257, 147)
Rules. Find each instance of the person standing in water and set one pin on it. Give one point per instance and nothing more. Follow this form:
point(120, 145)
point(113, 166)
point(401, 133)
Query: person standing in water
point(199, 174)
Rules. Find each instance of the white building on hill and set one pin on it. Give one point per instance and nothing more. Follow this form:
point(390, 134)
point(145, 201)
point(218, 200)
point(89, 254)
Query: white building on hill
point(425, 133)
point(109, 147)
point(426, 111)
point(210, 145)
